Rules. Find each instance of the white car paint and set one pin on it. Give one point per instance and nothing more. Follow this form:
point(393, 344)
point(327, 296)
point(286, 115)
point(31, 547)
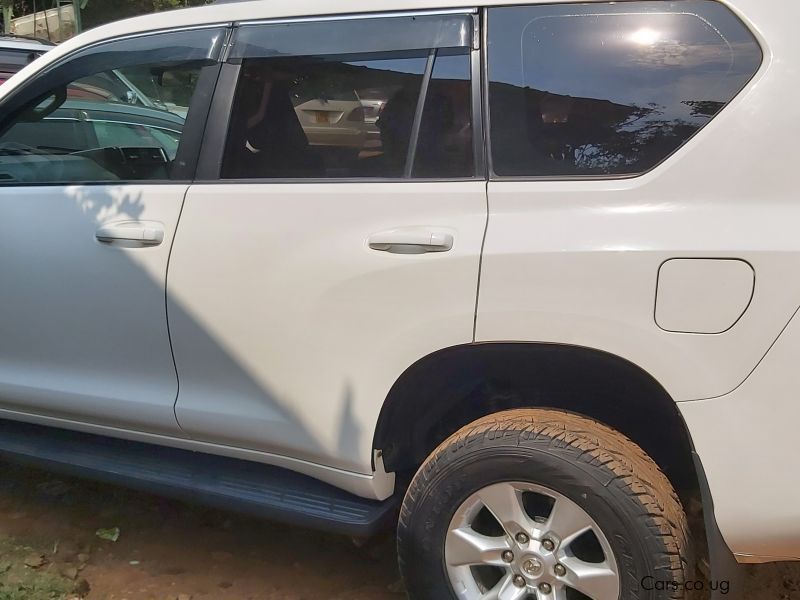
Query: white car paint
point(285, 252)
point(697, 295)
point(60, 355)
point(748, 443)
point(578, 262)
point(573, 262)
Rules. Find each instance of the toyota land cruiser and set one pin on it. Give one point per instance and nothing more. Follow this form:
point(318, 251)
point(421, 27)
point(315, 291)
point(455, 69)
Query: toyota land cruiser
point(519, 278)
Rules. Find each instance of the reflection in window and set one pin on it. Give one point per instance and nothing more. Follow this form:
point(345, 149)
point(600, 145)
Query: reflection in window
point(609, 89)
point(348, 116)
point(102, 127)
point(444, 148)
point(12, 61)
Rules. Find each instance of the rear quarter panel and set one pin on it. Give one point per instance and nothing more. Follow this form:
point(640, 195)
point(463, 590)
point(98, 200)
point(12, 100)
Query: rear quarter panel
point(577, 263)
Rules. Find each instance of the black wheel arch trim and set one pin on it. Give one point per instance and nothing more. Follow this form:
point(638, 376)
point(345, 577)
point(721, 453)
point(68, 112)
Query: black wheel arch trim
point(722, 561)
point(448, 363)
point(463, 366)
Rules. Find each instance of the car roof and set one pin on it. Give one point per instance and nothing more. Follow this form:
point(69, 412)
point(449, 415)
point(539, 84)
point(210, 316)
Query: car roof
point(230, 12)
point(11, 42)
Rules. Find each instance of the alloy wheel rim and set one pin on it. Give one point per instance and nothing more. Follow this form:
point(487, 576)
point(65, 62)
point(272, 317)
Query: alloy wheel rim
point(523, 541)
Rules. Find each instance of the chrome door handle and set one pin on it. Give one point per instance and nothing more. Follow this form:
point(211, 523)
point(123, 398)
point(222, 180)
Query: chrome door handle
point(411, 240)
point(146, 233)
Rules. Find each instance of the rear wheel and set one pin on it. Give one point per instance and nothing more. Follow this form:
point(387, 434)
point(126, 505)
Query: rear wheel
point(545, 505)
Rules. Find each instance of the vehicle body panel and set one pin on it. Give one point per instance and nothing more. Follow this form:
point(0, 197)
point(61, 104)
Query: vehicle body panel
point(577, 262)
point(288, 330)
point(88, 339)
point(748, 443)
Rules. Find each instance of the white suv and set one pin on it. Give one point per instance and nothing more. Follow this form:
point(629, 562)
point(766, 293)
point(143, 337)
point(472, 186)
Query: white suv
point(544, 305)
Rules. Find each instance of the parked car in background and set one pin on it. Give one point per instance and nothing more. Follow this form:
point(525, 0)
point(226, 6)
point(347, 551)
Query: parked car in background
point(79, 129)
point(17, 52)
point(520, 279)
point(336, 119)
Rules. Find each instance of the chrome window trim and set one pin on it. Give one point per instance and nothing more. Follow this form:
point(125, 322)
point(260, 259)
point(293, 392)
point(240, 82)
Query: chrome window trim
point(358, 16)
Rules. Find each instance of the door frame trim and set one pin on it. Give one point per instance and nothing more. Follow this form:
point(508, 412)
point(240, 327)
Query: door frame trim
point(215, 133)
point(209, 165)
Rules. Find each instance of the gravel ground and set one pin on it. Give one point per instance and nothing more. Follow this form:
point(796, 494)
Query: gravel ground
point(49, 549)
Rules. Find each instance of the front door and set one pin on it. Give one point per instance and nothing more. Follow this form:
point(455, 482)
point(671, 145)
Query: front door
point(94, 168)
point(337, 239)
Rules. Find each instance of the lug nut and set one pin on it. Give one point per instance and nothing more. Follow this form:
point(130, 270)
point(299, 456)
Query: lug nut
point(560, 570)
point(522, 538)
point(519, 581)
point(548, 544)
point(545, 588)
point(508, 556)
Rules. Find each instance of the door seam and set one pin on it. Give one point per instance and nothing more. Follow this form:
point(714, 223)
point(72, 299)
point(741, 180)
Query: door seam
point(480, 265)
point(166, 311)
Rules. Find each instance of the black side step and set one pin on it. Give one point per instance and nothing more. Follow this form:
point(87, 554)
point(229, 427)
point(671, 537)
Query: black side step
point(244, 486)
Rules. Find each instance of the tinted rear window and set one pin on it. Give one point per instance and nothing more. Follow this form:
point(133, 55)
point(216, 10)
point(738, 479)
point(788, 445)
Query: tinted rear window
point(12, 61)
point(609, 89)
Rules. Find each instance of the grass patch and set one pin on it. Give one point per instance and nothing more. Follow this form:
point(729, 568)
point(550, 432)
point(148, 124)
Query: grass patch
point(18, 581)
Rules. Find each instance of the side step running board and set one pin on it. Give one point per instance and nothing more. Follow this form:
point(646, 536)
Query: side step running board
point(262, 490)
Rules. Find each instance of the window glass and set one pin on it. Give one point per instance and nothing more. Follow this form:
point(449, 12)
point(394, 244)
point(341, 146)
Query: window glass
point(62, 132)
point(313, 117)
point(137, 135)
point(87, 121)
point(350, 117)
point(12, 61)
point(444, 148)
point(609, 89)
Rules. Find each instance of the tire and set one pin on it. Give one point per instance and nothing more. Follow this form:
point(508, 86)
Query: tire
point(627, 497)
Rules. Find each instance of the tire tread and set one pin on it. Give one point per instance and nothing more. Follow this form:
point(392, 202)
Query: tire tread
point(628, 467)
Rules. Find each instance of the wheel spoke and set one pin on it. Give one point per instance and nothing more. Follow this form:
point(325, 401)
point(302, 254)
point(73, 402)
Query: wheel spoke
point(560, 592)
point(467, 547)
point(505, 590)
point(568, 521)
point(551, 542)
point(597, 581)
point(505, 503)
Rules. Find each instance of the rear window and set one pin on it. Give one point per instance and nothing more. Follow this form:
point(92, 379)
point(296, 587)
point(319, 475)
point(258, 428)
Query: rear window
point(609, 89)
point(12, 61)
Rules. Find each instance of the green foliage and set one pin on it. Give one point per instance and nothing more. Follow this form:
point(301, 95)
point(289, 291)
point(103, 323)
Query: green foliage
point(44, 587)
point(170, 4)
point(98, 12)
point(20, 582)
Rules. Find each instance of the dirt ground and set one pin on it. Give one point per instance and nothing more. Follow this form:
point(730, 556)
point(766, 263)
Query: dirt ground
point(49, 549)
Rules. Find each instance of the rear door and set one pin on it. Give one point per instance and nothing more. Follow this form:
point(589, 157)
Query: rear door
point(86, 224)
point(337, 235)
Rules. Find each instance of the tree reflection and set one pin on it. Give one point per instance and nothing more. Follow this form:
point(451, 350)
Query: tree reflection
point(587, 136)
